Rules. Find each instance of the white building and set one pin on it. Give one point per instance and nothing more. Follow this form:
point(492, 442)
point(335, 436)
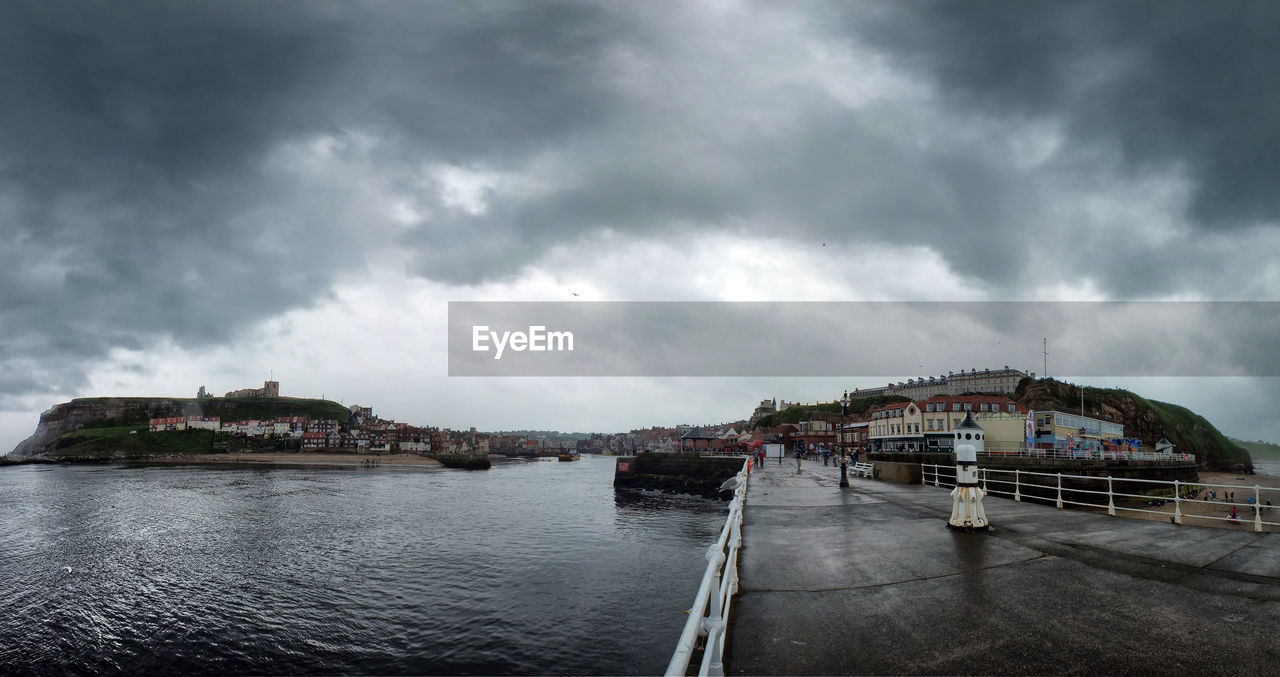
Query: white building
point(204, 423)
point(986, 381)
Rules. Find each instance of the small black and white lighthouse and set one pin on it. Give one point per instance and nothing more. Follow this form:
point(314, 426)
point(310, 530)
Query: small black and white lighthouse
point(966, 499)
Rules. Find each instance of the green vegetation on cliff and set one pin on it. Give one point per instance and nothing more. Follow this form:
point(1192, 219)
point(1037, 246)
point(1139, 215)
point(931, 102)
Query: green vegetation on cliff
point(123, 442)
point(116, 427)
point(1259, 449)
point(139, 410)
point(826, 410)
point(1146, 419)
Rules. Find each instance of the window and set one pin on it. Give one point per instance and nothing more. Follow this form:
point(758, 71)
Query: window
point(955, 406)
point(983, 406)
point(968, 406)
point(1009, 406)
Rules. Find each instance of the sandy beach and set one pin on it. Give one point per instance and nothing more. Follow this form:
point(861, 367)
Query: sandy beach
point(337, 459)
point(1221, 482)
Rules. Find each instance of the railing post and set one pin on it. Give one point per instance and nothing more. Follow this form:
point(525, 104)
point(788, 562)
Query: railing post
point(716, 668)
point(936, 479)
point(1177, 503)
point(1017, 485)
point(922, 479)
point(1059, 491)
point(1257, 511)
point(713, 606)
point(1111, 499)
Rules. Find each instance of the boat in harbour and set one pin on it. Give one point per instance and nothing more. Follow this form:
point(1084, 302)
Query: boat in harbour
point(570, 456)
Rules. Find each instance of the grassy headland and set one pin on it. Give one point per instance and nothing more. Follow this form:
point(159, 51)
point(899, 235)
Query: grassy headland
point(117, 427)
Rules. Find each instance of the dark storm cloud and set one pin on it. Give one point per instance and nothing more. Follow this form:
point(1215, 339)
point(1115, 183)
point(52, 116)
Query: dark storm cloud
point(1161, 81)
point(138, 197)
point(1164, 116)
point(835, 178)
point(145, 195)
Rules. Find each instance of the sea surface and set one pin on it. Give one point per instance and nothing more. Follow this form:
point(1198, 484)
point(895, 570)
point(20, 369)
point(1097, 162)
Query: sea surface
point(1266, 467)
point(530, 567)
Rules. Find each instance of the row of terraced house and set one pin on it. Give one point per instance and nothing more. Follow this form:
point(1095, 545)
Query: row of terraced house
point(363, 433)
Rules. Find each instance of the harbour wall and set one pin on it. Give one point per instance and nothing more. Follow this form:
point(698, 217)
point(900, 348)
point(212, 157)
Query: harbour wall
point(676, 473)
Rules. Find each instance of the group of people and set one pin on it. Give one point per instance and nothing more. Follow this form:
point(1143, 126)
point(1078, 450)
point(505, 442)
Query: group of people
point(1228, 497)
point(829, 456)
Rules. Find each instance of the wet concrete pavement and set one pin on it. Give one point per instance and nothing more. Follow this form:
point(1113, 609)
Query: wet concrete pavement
point(868, 580)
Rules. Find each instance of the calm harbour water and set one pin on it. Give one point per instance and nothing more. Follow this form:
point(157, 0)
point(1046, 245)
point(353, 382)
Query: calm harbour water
point(530, 567)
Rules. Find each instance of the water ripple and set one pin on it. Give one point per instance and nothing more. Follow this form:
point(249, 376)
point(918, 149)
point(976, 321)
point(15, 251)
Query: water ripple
point(527, 568)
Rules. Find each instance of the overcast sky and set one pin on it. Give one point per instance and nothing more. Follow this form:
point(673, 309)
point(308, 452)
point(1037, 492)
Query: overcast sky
point(207, 193)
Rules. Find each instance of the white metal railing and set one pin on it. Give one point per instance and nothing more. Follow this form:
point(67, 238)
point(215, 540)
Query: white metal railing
point(719, 584)
point(1086, 454)
point(1022, 485)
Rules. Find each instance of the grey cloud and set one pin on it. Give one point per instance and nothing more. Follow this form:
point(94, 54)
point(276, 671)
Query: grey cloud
point(138, 203)
point(1137, 90)
point(838, 177)
point(1164, 83)
point(136, 193)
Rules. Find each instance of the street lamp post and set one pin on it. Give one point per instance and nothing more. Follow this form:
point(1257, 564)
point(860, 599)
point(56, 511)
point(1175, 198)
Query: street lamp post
point(844, 453)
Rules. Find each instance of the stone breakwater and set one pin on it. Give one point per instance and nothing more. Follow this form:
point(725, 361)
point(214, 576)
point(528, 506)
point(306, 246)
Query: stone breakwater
point(676, 473)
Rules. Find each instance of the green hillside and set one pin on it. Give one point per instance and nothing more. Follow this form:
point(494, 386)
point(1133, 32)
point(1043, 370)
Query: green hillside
point(1259, 449)
point(116, 427)
point(1146, 419)
point(123, 442)
point(139, 410)
point(826, 410)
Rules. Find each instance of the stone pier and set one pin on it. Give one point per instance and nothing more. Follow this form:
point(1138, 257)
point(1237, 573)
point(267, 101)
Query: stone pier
point(868, 580)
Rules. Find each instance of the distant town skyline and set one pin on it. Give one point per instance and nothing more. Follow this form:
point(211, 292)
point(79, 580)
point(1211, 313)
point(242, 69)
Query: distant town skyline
point(209, 192)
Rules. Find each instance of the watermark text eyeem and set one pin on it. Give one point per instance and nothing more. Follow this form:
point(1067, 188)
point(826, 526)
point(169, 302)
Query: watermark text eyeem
point(537, 339)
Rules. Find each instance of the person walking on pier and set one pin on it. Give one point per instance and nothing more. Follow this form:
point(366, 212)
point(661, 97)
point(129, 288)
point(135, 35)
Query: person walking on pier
point(798, 453)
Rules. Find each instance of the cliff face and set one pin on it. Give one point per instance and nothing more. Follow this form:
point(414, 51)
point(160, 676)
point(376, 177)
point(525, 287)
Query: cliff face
point(70, 416)
point(108, 419)
point(1142, 418)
